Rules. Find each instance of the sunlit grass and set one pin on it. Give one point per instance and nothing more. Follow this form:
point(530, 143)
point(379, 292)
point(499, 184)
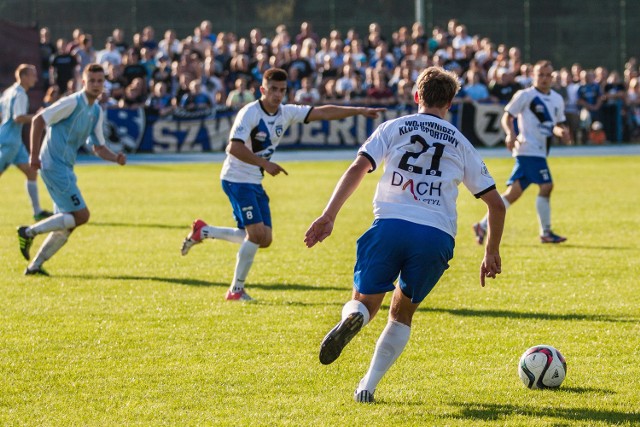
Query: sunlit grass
point(128, 332)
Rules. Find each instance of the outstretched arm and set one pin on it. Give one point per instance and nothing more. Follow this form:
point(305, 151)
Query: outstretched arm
point(333, 112)
point(322, 227)
point(491, 263)
point(104, 153)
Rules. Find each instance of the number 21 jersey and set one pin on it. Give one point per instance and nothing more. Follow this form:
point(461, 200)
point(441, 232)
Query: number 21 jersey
point(425, 159)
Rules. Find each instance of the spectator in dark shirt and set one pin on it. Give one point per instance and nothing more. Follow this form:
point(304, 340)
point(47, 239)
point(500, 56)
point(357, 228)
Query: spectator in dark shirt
point(132, 67)
point(135, 94)
point(47, 51)
point(503, 87)
point(64, 67)
point(160, 102)
point(195, 100)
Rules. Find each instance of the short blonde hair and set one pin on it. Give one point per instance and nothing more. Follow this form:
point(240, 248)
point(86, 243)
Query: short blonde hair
point(23, 69)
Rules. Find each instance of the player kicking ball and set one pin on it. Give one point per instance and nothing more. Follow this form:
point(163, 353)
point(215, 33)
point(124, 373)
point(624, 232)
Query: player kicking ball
point(254, 137)
point(412, 236)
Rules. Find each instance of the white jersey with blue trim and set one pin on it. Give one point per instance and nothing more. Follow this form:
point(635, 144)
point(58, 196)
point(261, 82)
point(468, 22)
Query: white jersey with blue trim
point(261, 132)
point(537, 114)
point(425, 159)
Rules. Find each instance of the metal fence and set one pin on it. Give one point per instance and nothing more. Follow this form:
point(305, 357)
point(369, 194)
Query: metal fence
point(592, 32)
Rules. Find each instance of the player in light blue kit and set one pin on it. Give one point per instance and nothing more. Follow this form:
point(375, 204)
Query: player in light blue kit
point(14, 106)
point(540, 113)
point(254, 136)
point(71, 122)
point(412, 237)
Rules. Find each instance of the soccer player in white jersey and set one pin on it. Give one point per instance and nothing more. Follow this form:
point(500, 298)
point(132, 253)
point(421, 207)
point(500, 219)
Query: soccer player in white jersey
point(255, 135)
point(71, 122)
point(14, 106)
point(412, 237)
point(540, 114)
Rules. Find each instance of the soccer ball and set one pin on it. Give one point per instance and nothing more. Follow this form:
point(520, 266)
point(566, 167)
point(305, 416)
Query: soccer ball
point(542, 366)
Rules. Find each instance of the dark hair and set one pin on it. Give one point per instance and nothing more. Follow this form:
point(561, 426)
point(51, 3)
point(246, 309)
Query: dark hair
point(437, 87)
point(93, 68)
point(275, 74)
point(543, 63)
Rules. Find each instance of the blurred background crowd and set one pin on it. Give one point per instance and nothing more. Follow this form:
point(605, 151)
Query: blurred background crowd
point(202, 72)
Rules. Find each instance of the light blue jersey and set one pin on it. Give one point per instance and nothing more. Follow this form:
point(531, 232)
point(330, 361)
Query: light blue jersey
point(71, 123)
point(14, 103)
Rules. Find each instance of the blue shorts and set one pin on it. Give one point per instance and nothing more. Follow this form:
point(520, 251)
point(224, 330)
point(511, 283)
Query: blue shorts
point(250, 203)
point(530, 170)
point(12, 154)
point(63, 188)
point(419, 254)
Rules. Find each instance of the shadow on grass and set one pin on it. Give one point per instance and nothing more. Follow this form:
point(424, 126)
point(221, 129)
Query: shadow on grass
point(521, 315)
point(582, 390)
point(132, 225)
point(576, 246)
point(198, 282)
point(493, 412)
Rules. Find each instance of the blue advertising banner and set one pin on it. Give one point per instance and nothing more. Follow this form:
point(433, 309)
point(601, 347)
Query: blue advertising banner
point(135, 131)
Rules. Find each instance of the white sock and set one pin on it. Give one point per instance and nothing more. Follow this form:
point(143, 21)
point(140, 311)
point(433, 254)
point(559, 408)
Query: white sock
point(52, 244)
point(355, 306)
point(543, 206)
point(484, 223)
point(244, 260)
point(59, 221)
point(389, 346)
point(32, 191)
point(234, 235)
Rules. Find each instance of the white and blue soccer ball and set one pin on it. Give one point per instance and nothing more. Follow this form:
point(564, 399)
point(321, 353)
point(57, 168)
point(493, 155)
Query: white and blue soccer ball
point(542, 366)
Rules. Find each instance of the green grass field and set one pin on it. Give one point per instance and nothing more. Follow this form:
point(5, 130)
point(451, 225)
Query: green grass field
point(128, 332)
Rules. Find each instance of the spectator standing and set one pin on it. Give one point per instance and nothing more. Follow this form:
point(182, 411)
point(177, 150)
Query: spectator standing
point(64, 67)
point(47, 51)
point(110, 54)
point(612, 107)
point(307, 94)
point(160, 102)
point(85, 52)
point(196, 101)
point(475, 88)
point(169, 46)
point(589, 99)
point(240, 96)
point(120, 42)
point(503, 87)
point(572, 110)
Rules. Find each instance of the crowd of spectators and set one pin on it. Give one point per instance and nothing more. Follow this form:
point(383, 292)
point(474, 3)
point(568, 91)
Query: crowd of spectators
point(204, 72)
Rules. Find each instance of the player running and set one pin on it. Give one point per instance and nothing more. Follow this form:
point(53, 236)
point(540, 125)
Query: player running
point(14, 107)
point(71, 122)
point(254, 137)
point(540, 114)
